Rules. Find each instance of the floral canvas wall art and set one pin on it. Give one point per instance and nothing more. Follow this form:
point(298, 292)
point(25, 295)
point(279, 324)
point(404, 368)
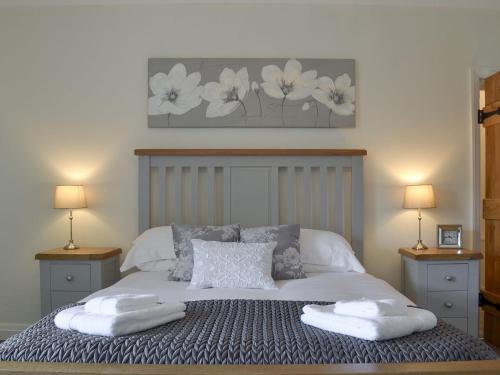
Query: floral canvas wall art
point(253, 93)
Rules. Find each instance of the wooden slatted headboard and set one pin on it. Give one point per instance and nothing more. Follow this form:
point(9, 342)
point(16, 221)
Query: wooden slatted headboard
point(318, 188)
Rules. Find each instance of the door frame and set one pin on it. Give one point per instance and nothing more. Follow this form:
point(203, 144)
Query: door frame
point(475, 75)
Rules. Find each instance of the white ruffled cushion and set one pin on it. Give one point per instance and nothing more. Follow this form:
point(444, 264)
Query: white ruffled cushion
point(232, 265)
point(325, 251)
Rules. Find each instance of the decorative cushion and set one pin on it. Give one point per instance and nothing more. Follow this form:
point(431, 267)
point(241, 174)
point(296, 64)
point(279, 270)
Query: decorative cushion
point(286, 256)
point(232, 265)
point(183, 234)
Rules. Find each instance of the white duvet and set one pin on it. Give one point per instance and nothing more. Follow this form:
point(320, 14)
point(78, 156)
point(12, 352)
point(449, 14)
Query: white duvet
point(327, 286)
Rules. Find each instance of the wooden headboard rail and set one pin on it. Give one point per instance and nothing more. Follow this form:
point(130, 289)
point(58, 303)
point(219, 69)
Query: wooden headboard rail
point(249, 152)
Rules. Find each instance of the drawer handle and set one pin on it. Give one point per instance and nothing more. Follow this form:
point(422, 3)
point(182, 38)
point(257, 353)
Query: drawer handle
point(449, 278)
point(448, 305)
point(69, 277)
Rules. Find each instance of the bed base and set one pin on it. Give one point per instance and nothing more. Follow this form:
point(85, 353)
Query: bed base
point(442, 368)
point(269, 161)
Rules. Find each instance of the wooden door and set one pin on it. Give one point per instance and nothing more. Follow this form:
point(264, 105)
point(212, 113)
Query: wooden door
point(491, 210)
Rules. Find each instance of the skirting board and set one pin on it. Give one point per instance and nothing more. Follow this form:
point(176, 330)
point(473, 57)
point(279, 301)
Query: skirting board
point(7, 330)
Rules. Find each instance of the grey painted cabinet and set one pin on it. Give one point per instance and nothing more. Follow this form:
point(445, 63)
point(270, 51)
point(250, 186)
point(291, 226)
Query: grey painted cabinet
point(67, 276)
point(445, 284)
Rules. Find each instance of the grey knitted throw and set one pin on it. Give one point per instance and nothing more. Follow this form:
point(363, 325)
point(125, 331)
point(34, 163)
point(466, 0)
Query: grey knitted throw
point(238, 332)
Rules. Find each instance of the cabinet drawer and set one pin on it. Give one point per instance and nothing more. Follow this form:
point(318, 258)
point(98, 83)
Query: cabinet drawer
point(460, 323)
point(443, 277)
point(70, 277)
point(448, 304)
point(59, 299)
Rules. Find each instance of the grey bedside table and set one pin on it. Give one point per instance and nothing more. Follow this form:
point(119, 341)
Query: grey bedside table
point(444, 281)
point(67, 276)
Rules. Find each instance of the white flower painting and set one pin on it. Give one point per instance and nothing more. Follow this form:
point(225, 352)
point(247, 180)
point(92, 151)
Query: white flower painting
point(251, 93)
point(338, 96)
point(227, 95)
point(289, 83)
point(174, 93)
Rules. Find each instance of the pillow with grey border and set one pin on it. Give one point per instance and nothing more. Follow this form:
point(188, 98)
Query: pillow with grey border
point(286, 255)
point(183, 234)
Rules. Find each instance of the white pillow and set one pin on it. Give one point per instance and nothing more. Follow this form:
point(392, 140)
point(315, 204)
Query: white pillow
point(232, 265)
point(153, 245)
point(325, 251)
point(158, 265)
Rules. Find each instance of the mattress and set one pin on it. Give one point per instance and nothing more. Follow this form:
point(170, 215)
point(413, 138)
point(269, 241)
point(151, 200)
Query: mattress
point(225, 326)
point(325, 286)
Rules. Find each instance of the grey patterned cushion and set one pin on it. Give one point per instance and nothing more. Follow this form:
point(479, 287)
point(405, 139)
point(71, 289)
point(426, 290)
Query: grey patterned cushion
point(183, 234)
point(286, 256)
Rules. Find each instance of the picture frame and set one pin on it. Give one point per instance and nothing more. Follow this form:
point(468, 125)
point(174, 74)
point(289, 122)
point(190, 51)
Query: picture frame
point(251, 93)
point(449, 236)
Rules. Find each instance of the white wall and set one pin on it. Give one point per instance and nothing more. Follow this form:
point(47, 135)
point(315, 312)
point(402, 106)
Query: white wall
point(73, 108)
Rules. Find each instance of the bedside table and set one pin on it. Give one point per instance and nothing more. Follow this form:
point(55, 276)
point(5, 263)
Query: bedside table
point(67, 276)
point(444, 281)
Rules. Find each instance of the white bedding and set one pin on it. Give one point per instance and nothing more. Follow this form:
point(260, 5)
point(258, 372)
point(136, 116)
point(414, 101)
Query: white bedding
point(327, 286)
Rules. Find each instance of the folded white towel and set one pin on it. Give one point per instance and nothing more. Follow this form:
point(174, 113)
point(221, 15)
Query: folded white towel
point(368, 308)
point(120, 303)
point(115, 325)
point(376, 328)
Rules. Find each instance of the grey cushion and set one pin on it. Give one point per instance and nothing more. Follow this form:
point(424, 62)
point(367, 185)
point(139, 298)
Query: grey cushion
point(286, 256)
point(183, 234)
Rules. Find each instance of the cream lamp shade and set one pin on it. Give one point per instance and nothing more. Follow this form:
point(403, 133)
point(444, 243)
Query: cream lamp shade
point(70, 197)
point(419, 196)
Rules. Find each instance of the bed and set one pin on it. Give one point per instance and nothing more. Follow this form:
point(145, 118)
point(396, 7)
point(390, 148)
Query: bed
point(239, 330)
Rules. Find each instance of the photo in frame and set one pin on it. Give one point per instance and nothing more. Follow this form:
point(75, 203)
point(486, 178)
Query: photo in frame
point(449, 236)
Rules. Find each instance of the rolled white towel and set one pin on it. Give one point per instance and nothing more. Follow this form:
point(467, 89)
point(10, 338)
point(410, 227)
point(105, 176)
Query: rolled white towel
point(375, 328)
point(76, 318)
point(120, 303)
point(368, 308)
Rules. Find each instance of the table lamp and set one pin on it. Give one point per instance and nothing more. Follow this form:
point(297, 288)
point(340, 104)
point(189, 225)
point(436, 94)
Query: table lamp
point(70, 197)
point(419, 196)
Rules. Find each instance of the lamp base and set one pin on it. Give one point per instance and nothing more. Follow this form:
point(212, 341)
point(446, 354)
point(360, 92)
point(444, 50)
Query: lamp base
point(419, 246)
point(71, 246)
